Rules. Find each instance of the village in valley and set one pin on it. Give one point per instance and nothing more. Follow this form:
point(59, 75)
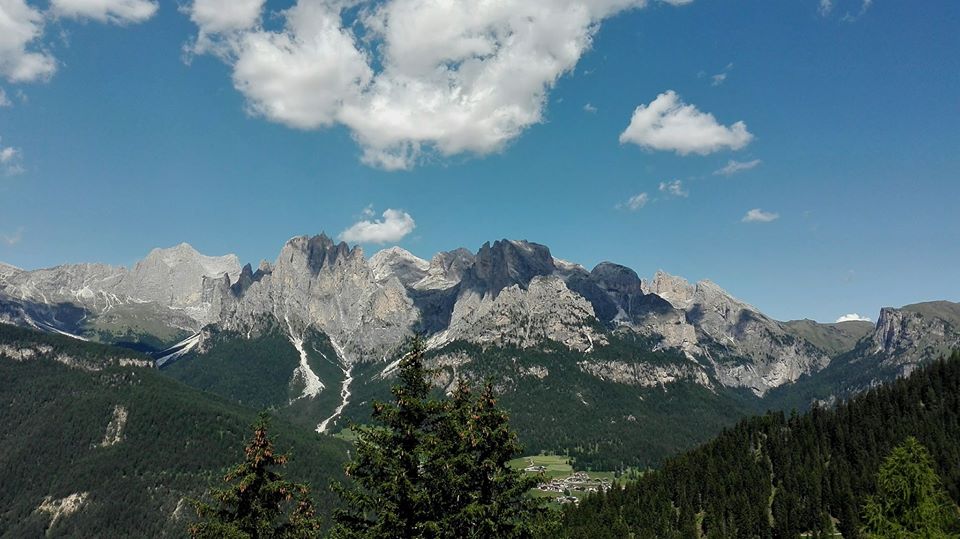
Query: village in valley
point(561, 483)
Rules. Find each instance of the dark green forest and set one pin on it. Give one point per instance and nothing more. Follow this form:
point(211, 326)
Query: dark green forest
point(175, 443)
point(783, 476)
point(256, 372)
point(599, 424)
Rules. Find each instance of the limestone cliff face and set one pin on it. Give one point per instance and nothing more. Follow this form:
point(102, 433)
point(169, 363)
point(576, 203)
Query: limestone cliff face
point(545, 310)
point(175, 278)
point(620, 298)
point(514, 294)
point(446, 270)
point(330, 287)
point(399, 263)
point(747, 348)
point(508, 293)
point(644, 374)
point(167, 288)
point(915, 333)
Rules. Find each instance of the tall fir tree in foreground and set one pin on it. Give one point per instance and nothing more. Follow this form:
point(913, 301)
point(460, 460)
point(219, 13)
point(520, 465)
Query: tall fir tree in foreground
point(488, 498)
point(435, 468)
point(257, 502)
point(910, 502)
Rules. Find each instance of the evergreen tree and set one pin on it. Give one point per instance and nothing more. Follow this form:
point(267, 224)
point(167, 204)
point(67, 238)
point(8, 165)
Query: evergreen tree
point(492, 498)
point(258, 503)
point(392, 496)
point(910, 501)
point(436, 468)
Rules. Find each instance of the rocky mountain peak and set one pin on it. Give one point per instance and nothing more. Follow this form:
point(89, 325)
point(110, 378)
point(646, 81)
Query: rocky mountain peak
point(244, 281)
point(184, 255)
point(677, 290)
point(175, 277)
point(446, 269)
point(616, 278)
point(396, 261)
point(507, 263)
point(315, 253)
point(6, 270)
point(917, 332)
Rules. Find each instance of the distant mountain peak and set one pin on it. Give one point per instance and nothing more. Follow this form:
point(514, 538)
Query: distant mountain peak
point(184, 254)
point(399, 262)
point(506, 263)
point(319, 252)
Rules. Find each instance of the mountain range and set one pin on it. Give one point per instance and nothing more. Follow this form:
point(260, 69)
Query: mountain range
point(314, 335)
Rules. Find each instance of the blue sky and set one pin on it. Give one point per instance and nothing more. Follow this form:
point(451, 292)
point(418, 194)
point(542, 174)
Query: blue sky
point(146, 125)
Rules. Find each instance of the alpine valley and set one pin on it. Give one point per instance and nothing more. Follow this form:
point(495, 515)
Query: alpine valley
point(614, 370)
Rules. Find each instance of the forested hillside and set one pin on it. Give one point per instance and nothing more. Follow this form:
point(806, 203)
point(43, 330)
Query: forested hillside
point(558, 407)
point(783, 476)
point(95, 446)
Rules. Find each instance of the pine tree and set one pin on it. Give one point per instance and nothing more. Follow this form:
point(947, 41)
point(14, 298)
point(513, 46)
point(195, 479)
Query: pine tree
point(392, 496)
point(493, 498)
point(910, 501)
point(437, 468)
point(258, 503)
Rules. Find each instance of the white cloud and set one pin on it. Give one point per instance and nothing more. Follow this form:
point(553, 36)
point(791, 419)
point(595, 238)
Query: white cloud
point(11, 161)
point(218, 18)
point(20, 26)
point(4, 100)
point(110, 11)
point(674, 188)
point(394, 226)
point(668, 123)
point(719, 78)
point(854, 317)
point(12, 239)
point(635, 202)
point(589, 108)
point(302, 76)
point(23, 53)
point(826, 7)
point(849, 17)
point(757, 215)
point(409, 78)
point(733, 166)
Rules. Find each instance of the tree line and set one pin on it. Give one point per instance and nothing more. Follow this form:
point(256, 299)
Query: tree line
point(884, 464)
point(425, 467)
point(784, 476)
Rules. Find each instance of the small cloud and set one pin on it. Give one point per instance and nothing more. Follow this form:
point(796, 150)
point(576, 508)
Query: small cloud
point(635, 202)
point(733, 166)
point(757, 215)
point(11, 161)
point(854, 317)
point(12, 239)
point(668, 123)
point(719, 78)
point(674, 188)
point(107, 11)
point(849, 17)
point(589, 108)
point(394, 226)
point(826, 8)
point(4, 100)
